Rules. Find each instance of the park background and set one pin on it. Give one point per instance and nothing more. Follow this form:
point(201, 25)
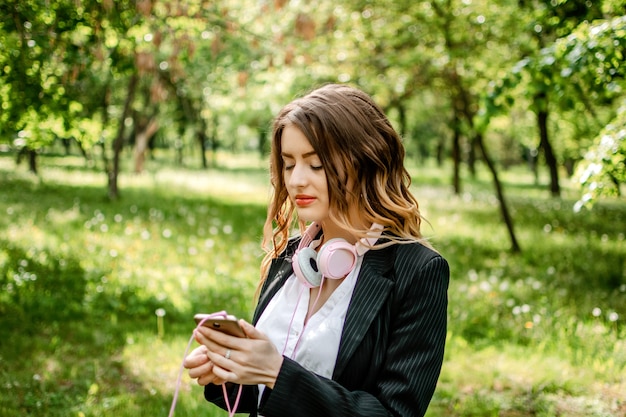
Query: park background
point(133, 185)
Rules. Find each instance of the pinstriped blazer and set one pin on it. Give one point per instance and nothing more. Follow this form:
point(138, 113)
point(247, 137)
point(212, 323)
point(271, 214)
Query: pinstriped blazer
point(391, 348)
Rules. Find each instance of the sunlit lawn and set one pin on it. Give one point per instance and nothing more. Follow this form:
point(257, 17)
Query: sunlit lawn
point(536, 334)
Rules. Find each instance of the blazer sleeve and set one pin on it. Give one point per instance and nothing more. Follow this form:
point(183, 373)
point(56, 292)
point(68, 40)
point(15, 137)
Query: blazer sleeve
point(247, 402)
point(405, 380)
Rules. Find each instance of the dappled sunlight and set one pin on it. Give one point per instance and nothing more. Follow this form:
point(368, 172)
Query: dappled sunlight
point(528, 331)
point(225, 185)
point(531, 376)
point(156, 362)
point(134, 182)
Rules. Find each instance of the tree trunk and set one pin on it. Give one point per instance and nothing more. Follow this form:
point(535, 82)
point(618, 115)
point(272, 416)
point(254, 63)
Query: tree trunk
point(531, 157)
point(263, 136)
point(504, 210)
point(471, 158)
point(402, 119)
point(143, 135)
point(463, 103)
point(193, 118)
point(544, 143)
point(480, 144)
point(439, 152)
point(456, 153)
point(213, 140)
point(32, 160)
point(106, 98)
point(202, 139)
point(118, 143)
point(66, 142)
point(83, 152)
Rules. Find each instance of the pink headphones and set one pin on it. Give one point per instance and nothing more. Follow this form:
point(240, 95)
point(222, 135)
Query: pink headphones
point(335, 259)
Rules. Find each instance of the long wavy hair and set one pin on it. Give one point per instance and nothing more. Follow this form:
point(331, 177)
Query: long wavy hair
point(363, 158)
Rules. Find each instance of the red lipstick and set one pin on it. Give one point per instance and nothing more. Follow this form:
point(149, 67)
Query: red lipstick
point(303, 200)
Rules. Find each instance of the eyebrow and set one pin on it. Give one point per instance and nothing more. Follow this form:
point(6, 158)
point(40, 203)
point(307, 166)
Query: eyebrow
point(306, 155)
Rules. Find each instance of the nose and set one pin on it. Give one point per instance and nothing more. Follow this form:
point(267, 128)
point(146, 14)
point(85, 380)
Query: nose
point(296, 177)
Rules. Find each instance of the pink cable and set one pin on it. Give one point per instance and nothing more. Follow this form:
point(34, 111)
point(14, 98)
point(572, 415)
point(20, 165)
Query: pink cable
point(293, 316)
point(295, 349)
point(231, 412)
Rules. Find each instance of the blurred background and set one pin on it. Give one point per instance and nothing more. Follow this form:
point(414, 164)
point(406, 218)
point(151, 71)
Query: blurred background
point(133, 183)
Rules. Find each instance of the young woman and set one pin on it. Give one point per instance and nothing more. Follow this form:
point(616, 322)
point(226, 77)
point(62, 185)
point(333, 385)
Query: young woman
point(351, 317)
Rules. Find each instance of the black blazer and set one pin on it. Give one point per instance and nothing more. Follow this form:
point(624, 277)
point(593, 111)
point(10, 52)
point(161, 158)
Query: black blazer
point(391, 348)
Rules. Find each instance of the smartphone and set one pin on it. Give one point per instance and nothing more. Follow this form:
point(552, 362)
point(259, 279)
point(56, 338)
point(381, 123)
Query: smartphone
point(228, 324)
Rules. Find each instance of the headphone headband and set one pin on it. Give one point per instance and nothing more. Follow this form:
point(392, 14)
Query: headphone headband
point(309, 234)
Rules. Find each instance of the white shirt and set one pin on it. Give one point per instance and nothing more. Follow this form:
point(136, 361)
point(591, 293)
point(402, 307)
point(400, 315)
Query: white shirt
point(316, 345)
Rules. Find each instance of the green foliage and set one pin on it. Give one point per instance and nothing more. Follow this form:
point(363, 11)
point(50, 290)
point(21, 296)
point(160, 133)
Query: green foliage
point(216, 74)
point(584, 66)
point(591, 58)
point(604, 169)
point(55, 71)
point(582, 72)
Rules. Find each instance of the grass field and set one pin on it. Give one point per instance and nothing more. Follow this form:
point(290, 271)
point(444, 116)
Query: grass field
point(96, 297)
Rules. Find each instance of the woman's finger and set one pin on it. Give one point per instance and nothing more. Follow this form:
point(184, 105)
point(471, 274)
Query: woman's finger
point(213, 338)
point(196, 358)
point(251, 331)
point(210, 379)
point(225, 358)
point(201, 370)
point(224, 375)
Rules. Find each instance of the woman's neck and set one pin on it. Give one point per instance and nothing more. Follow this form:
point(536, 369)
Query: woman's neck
point(331, 230)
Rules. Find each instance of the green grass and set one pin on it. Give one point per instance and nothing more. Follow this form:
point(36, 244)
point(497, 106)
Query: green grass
point(536, 334)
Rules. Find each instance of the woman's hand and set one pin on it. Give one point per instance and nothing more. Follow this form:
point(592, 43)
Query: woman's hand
point(200, 367)
point(246, 361)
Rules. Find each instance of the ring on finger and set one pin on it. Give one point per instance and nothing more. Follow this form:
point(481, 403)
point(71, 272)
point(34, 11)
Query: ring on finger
point(227, 354)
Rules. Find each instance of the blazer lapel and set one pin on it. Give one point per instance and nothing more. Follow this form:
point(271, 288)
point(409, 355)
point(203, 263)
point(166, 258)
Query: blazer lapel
point(370, 293)
point(282, 270)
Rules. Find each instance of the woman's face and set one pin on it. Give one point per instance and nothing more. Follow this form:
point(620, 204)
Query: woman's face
point(304, 176)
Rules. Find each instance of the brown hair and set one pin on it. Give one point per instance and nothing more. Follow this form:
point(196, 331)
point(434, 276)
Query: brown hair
point(363, 158)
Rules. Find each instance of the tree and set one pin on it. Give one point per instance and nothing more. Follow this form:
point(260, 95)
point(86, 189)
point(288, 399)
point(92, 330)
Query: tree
point(60, 66)
point(86, 72)
point(403, 51)
point(604, 168)
point(592, 58)
point(586, 67)
point(33, 65)
point(546, 21)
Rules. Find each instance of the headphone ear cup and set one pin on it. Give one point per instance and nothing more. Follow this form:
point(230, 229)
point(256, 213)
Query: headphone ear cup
point(306, 268)
point(336, 258)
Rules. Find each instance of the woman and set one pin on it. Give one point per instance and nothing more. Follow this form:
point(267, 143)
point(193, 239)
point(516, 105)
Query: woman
point(351, 317)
